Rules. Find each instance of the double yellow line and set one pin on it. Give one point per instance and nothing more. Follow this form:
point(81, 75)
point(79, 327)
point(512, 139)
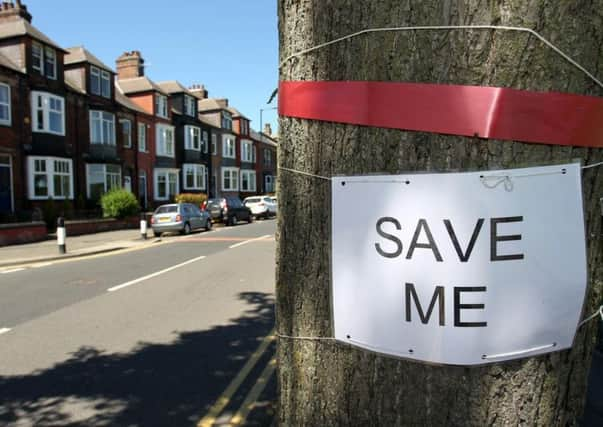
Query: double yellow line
point(241, 414)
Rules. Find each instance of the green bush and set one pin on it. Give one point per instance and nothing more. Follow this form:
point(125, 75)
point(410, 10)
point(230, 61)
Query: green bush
point(193, 198)
point(119, 203)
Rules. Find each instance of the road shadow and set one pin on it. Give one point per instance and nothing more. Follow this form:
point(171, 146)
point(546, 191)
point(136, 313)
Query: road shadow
point(170, 384)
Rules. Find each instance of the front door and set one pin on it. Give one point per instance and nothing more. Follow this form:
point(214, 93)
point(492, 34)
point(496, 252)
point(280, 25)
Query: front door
point(6, 187)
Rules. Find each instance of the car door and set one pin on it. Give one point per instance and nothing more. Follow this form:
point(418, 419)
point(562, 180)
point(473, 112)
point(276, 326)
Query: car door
point(195, 216)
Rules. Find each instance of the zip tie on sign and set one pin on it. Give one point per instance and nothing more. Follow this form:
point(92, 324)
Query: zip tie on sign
point(447, 27)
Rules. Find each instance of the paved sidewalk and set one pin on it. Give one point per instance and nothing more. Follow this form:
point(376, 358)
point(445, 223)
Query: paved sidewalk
point(77, 246)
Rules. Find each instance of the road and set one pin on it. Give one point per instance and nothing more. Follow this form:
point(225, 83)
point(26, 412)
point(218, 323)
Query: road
point(174, 334)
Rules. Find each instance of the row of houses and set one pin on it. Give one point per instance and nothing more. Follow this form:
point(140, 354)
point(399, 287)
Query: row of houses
point(73, 128)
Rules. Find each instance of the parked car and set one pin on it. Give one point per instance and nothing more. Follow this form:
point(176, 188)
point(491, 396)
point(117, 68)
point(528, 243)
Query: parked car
point(275, 200)
point(261, 206)
point(181, 217)
point(229, 210)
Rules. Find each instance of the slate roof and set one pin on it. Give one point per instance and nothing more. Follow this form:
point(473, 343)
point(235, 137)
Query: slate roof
point(172, 86)
point(80, 54)
point(138, 84)
point(21, 27)
point(210, 104)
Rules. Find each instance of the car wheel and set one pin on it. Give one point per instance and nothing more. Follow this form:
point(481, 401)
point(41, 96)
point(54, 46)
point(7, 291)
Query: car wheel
point(208, 224)
point(156, 233)
point(186, 229)
point(250, 219)
point(234, 220)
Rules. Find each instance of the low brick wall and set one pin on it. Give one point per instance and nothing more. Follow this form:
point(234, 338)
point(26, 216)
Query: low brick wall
point(22, 232)
point(90, 226)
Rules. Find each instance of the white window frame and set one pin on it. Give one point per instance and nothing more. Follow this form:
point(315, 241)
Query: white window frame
point(192, 138)
point(166, 173)
point(9, 165)
point(204, 141)
point(142, 137)
point(189, 105)
point(226, 120)
point(6, 121)
point(102, 76)
point(246, 151)
point(269, 182)
point(107, 176)
point(267, 157)
point(40, 56)
point(50, 54)
point(46, 97)
point(164, 146)
point(45, 54)
point(199, 173)
point(251, 179)
point(103, 116)
point(214, 144)
point(233, 180)
point(50, 173)
point(161, 106)
point(228, 147)
point(128, 143)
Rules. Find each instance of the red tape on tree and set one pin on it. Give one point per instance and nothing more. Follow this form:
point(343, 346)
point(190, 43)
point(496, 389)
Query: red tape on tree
point(488, 112)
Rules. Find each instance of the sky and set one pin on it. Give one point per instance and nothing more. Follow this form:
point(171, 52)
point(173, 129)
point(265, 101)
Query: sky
point(230, 46)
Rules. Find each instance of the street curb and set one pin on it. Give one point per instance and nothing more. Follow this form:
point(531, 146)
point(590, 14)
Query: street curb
point(21, 262)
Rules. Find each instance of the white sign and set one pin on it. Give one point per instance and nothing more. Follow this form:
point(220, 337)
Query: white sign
point(459, 268)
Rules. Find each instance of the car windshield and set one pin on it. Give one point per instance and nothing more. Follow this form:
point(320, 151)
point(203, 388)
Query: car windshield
point(166, 209)
point(253, 200)
point(213, 202)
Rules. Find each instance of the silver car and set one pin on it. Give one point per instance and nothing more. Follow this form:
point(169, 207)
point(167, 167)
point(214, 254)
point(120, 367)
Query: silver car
point(181, 217)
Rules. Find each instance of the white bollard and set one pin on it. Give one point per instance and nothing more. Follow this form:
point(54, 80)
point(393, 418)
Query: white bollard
point(143, 226)
point(61, 235)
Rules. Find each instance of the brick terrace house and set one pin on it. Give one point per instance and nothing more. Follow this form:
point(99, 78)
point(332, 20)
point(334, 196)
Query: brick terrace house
point(266, 163)
point(215, 111)
point(147, 95)
point(246, 153)
point(192, 139)
point(43, 171)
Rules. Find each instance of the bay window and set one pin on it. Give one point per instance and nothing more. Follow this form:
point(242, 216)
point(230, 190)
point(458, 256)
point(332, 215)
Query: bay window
point(102, 178)
point(44, 60)
point(165, 140)
point(192, 138)
point(230, 179)
point(228, 146)
point(247, 180)
point(189, 105)
point(100, 82)
point(50, 178)
point(166, 183)
point(102, 128)
point(48, 113)
point(194, 176)
point(246, 151)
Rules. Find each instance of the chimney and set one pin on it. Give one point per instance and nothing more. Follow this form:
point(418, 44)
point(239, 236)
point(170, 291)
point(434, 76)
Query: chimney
point(130, 65)
point(199, 91)
point(10, 11)
point(267, 129)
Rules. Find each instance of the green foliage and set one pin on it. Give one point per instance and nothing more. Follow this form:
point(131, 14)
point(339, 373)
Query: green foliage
point(193, 198)
point(119, 203)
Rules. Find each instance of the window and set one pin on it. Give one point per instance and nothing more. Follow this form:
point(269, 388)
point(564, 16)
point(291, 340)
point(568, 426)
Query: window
point(247, 180)
point(5, 113)
point(165, 140)
point(192, 138)
point(161, 106)
point(228, 146)
point(44, 60)
point(244, 127)
point(102, 128)
point(126, 132)
point(189, 105)
point(48, 113)
point(205, 141)
point(267, 157)
point(214, 144)
point(50, 177)
point(166, 183)
point(101, 178)
point(230, 179)
point(246, 151)
point(100, 82)
point(194, 177)
point(269, 184)
point(226, 120)
point(142, 137)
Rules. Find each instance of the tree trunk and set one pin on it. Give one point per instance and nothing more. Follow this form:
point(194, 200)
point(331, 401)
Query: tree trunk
point(327, 383)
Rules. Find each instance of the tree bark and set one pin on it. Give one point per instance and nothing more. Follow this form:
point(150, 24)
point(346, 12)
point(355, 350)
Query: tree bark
point(327, 383)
